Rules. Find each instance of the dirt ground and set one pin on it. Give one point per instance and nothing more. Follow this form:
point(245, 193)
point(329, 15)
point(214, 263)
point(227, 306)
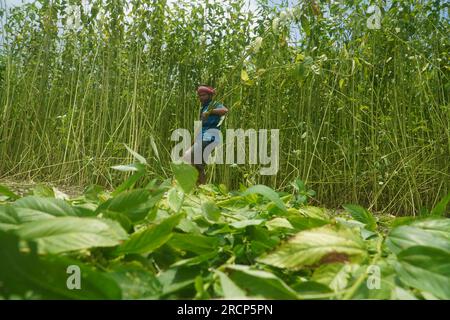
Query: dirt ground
point(23, 187)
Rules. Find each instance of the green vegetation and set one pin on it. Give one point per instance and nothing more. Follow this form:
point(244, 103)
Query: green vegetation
point(364, 120)
point(170, 240)
point(364, 113)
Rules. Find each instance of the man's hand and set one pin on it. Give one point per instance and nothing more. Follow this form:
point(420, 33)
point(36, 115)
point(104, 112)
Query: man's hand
point(205, 115)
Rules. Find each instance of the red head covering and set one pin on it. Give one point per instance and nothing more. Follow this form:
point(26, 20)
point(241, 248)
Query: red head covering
point(206, 89)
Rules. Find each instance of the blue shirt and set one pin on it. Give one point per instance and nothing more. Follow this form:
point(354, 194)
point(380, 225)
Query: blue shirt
point(212, 122)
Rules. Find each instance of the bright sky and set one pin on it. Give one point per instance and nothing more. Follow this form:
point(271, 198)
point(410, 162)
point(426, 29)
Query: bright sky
point(16, 2)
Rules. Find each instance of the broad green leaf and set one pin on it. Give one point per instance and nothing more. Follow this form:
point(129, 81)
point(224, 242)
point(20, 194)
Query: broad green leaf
point(426, 269)
point(8, 218)
point(432, 233)
point(43, 191)
point(229, 288)
point(303, 223)
point(48, 277)
point(233, 203)
point(177, 279)
point(136, 282)
point(279, 223)
point(174, 199)
point(125, 201)
point(258, 283)
point(35, 208)
point(211, 211)
point(316, 246)
point(135, 204)
point(65, 234)
point(399, 293)
point(131, 181)
point(362, 215)
point(335, 275)
point(186, 176)
point(121, 218)
point(312, 290)
point(151, 238)
point(245, 223)
point(268, 193)
point(196, 260)
point(7, 192)
point(198, 244)
point(312, 212)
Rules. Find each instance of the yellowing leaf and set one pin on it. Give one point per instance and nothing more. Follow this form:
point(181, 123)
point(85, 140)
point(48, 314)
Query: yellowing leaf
point(244, 75)
point(311, 247)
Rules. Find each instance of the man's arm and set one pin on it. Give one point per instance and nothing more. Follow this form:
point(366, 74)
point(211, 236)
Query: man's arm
point(219, 111)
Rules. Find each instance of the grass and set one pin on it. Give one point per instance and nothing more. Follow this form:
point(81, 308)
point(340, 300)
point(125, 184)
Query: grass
point(364, 114)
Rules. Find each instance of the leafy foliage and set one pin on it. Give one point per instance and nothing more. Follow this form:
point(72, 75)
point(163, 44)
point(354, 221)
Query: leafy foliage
point(252, 243)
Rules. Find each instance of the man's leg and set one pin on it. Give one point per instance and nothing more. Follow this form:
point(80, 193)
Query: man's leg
point(196, 160)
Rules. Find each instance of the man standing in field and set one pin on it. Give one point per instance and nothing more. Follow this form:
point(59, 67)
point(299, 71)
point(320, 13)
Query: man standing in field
point(211, 113)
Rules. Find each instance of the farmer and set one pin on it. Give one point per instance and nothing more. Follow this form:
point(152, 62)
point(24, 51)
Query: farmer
point(211, 113)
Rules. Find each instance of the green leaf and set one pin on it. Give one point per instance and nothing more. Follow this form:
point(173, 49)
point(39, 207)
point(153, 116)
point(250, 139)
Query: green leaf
point(64, 234)
point(317, 246)
point(186, 176)
point(303, 223)
point(211, 211)
point(399, 293)
point(229, 288)
point(135, 204)
point(9, 219)
point(177, 279)
point(7, 192)
point(312, 212)
point(258, 283)
point(335, 275)
point(207, 257)
point(198, 244)
point(43, 191)
point(121, 218)
point(426, 269)
point(432, 233)
point(268, 193)
point(439, 209)
point(130, 182)
point(245, 223)
point(309, 289)
point(279, 223)
point(233, 203)
point(47, 276)
point(125, 201)
point(136, 282)
point(35, 208)
point(174, 200)
point(151, 238)
point(362, 215)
